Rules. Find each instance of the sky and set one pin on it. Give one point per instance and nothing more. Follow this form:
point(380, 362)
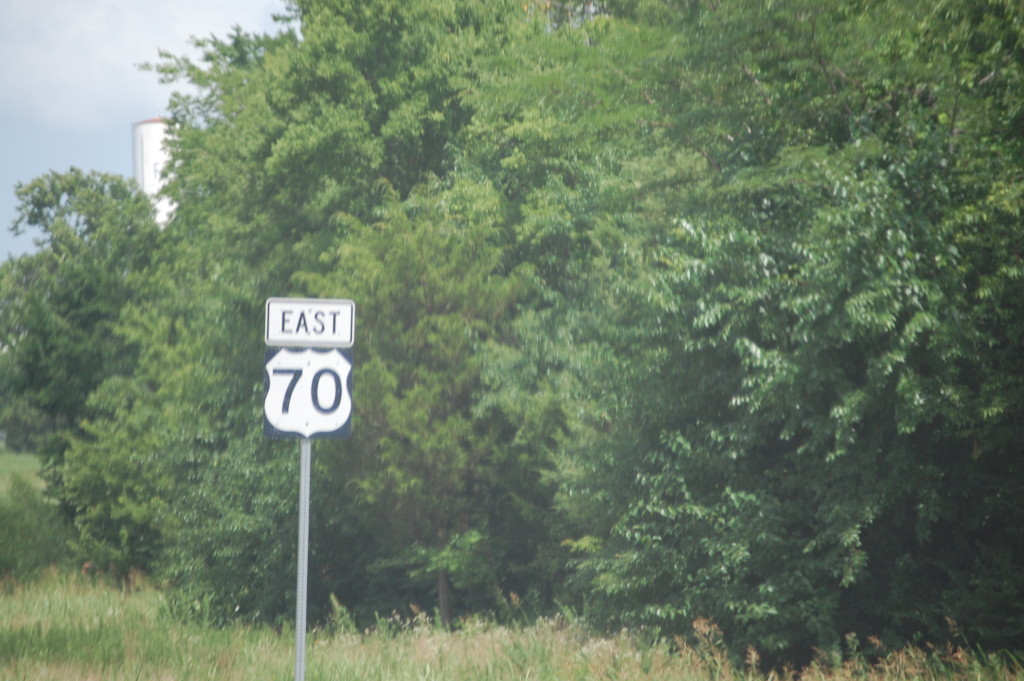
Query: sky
point(71, 86)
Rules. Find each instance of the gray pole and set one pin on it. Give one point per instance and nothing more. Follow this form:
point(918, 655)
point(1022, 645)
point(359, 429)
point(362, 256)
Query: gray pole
point(300, 591)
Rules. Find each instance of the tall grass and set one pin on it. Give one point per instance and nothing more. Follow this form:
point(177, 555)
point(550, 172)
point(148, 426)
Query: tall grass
point(70, 626)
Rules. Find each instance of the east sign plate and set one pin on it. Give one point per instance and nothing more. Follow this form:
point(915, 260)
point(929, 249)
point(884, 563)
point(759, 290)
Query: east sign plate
point(310, 322)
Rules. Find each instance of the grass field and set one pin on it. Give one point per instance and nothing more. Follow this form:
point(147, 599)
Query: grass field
point(25, 466)
point(67, 626)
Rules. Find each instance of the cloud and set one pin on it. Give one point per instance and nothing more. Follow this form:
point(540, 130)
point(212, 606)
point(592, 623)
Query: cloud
point(73, 64)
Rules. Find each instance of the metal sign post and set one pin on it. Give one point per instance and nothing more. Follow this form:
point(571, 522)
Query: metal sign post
point(308, 394)
point(305, 449)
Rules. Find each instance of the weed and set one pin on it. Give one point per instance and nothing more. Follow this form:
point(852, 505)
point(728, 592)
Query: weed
point(66, 625)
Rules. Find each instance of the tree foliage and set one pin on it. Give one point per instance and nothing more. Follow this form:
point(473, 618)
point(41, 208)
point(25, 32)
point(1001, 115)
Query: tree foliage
point(59, 307)
point(460, 475)
point(671, 311)
point(819, 305)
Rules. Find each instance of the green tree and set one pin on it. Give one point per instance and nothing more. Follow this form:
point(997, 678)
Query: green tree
point(61, 305)
point(284, 136)
point(460, 475)
point(817, 362)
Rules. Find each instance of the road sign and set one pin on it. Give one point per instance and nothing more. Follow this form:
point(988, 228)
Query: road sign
point(308, 393)
point(310, 322)
point(308, 390)
point(308, 385)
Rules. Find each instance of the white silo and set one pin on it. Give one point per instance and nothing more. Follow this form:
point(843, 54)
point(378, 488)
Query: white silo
point(149, 158)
